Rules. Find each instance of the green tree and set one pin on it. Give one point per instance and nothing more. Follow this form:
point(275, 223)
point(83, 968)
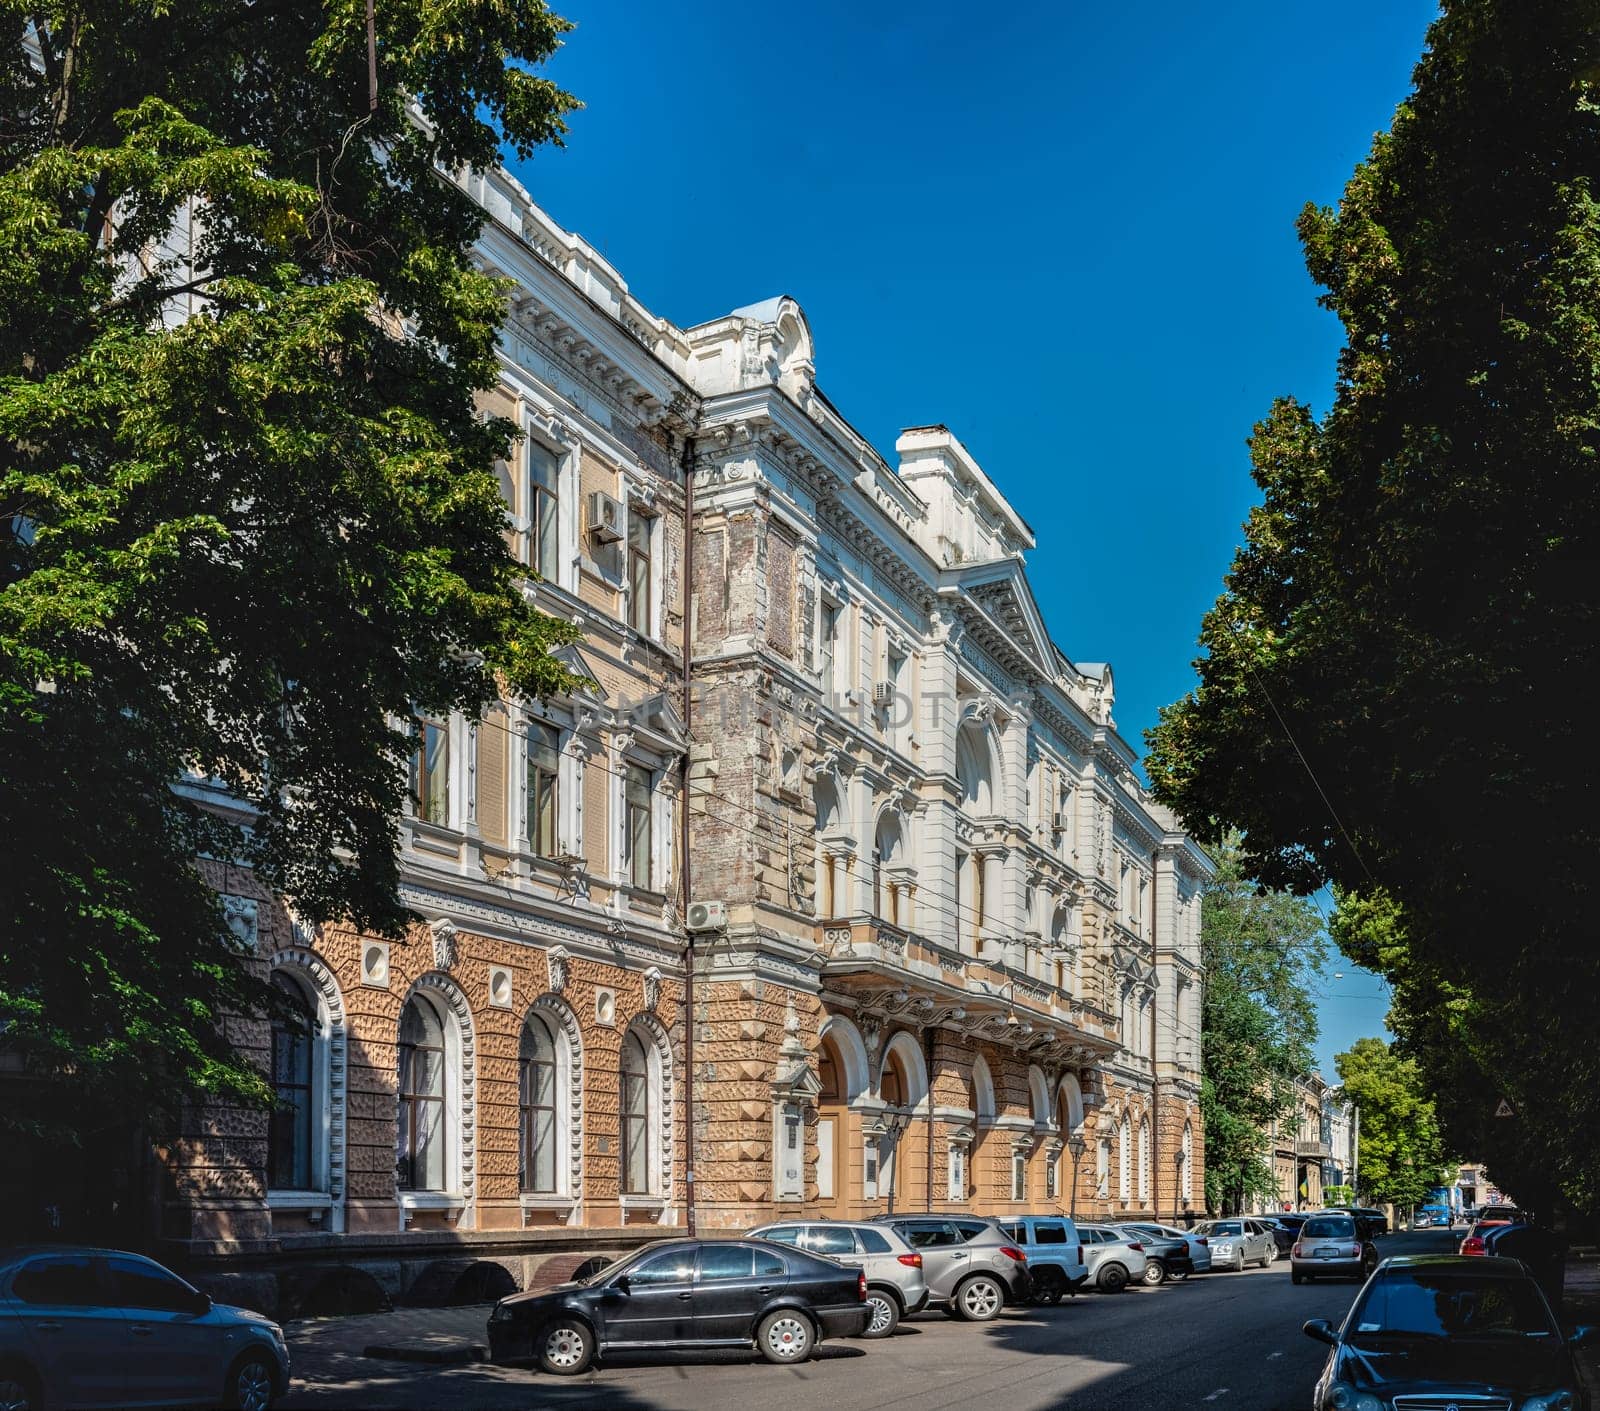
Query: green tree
point(1261, 951)
point(1389, 696)
point(249, 522)
point(1402, 1156)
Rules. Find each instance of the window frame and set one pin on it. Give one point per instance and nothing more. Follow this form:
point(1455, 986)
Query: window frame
point(542, 782)
point(412, 1103)
point(304, 1141)
point(544, 511)
point(529, 1109)
point(430, 783)
point(638, 824)
point(634, 1128)
point(641, 554)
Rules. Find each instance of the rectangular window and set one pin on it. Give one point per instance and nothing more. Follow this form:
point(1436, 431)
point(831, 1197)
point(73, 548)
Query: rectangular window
point(544, 760)
point(544, 508)
point(828, 647)
point(1019, 1177)
point(636, 786)
point(430, 773)
point(640, 616)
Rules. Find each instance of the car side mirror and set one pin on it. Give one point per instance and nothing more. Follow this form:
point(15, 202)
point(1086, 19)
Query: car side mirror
point(201, 1305)
point(622, 1284)
point(1584, 1336)
point(1320, 1329)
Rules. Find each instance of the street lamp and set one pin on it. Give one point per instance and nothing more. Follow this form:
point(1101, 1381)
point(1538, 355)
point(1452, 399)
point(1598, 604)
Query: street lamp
point(1075, 1145)
point(889, 1125)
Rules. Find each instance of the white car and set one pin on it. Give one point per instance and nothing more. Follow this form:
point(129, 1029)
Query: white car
point(1237, 1242)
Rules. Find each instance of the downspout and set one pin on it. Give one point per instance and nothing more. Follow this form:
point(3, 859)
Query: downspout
point(1155, 1057)
point(927, 1062)
point(688, 853)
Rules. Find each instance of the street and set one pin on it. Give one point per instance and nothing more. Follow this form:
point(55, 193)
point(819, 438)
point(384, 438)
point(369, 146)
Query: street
point(1232, 1341)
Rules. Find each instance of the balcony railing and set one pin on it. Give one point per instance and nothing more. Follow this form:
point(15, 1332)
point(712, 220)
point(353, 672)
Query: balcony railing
point(1317, 1149)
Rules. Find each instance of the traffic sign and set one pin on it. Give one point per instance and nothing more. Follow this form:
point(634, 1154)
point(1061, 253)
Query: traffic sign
point(1505, 1109)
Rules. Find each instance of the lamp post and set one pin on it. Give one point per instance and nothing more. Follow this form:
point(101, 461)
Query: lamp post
point(889, 1125)
point(1075, 1145)
point(1177, 1186)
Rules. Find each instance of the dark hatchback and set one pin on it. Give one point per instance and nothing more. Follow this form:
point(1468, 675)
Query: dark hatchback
point(1448, 1330)
point(685, 1294)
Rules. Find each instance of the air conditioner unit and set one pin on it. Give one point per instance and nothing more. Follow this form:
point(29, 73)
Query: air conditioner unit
point(607, 517)
point(883, 693)
point(708, 916)
point(1058, 824)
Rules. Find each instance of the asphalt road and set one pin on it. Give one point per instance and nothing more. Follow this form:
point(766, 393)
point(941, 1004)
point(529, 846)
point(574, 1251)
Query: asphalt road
point(1226, 1341)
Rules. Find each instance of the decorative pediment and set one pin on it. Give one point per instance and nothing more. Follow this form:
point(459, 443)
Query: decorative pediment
point(797, 1083)
point(993, 600)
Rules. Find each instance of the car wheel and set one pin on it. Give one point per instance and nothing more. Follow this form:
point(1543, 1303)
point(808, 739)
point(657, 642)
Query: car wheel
point(980, 1299)
point(250, 1384)
point(18, 1391)
point(565, 1348)
point(1297, 1278)
point(1238, 1262)
point(1270, 1257)
point(1046, 1291)
point(1113, 1279)
point(785, 1336)
point(885, 1314)
point(1155, 1273)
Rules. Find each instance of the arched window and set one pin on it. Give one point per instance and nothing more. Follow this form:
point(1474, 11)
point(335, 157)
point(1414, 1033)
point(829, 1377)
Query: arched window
point(537, 1099)
point(1188, 1161)
point(290, 1132)
point(1124, 1159)
point(1060, 944)
point(885, 853)
point(892, 1082)
point(422, 1136)
point(638, 1165)
point(1144, 1159)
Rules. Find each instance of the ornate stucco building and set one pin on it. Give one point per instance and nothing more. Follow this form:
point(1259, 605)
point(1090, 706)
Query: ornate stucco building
point(954, 956)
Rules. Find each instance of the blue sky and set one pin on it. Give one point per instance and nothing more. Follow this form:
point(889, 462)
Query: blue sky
point(1064, 230)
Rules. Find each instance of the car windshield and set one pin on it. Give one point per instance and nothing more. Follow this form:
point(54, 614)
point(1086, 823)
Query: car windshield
point(1221, 1227)
point(1329, 1228)
point(1428, 1304)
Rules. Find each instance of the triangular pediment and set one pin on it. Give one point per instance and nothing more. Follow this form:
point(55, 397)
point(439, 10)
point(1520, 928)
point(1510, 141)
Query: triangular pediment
point(996, 595)
point(571, 656)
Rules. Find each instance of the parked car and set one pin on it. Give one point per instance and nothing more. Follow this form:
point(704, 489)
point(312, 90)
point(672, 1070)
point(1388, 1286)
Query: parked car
point(1165, 1256)
point(896, 1287)
point(1199, 1245)
point(1055, 1254)
point(1113, 1257)
point(1283, 1233)
point(682, 1294)
point(1440, 1330)
point(1375, 1220)
point(100, 1327)
point(1332, 1245)
point(1543, 1251)
point(972, 1269)
point(1473, 1242)
point(1239, 1241)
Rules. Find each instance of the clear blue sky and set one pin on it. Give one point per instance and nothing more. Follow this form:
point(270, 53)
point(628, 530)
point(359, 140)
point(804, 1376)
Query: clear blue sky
point(1064, 230)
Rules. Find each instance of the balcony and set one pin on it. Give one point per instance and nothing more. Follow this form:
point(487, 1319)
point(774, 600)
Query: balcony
point(1317, 1150)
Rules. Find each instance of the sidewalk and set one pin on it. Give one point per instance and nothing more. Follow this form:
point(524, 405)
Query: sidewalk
point(1581, 1289)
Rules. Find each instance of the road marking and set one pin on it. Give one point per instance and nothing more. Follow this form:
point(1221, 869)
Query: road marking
point(1220, 1391)
point(1271, 1355)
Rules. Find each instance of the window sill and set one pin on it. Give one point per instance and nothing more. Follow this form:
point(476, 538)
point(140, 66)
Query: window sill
point(532, 1201)
point(641, 1205)
point(432, 1200)
point(299, 1200)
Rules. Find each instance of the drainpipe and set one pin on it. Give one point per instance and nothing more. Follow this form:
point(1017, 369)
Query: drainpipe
point(927, 1063)
point(686, 861)
point(1155, 1057)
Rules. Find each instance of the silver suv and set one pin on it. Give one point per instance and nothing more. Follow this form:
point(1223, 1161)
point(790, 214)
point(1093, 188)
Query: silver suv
point(896, 1287)
point(1113, 1257)
point(972, 1269)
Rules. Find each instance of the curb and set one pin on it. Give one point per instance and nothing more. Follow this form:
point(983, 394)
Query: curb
point(439, 1354)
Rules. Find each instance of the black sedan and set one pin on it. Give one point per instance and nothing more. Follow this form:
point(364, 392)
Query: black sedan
point(1446, 1329)
point(686, 1294)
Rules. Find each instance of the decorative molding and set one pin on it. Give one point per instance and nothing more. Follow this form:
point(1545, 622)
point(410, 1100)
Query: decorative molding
point(453, 998)
point(317, 971)
point(652, 988)
point(443, 932)
point(558, 964)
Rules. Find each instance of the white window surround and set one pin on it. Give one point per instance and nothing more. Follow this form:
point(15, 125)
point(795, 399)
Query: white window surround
point(625, 752)
point(660, 1110)
point(563, 1026)
point(544, 430)
point(658, 553)
point(1124, 1160)
point(460, 1109)
point(569, 779)
point(328, 1072)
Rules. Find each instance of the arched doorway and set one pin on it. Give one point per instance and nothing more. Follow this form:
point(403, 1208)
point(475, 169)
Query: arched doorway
point(982, 1187)
point(832, 1142)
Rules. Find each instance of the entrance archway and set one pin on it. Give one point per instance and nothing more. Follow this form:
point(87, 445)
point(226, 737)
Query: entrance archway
point(833, 1143)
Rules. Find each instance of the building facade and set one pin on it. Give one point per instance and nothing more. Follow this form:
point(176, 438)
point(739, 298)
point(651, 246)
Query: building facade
point(951, 956)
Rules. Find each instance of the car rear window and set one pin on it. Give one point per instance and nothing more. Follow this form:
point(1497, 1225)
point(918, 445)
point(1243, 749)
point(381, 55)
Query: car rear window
point(871, 1241)
point(65, 1280)
point(767, 1264)
point(1014, 1230)
point(971, 1229)
point(929, 1236)
point(1329, 1227)
point(1423, 1303)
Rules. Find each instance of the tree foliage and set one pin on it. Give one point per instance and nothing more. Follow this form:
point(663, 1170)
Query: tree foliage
point(1261, 951)
point(1402, 1155)
point(249, 522)
point(1389, 695)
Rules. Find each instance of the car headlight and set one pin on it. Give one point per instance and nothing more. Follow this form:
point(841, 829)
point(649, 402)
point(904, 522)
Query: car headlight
point(1551, 1401)
point(1344, 1397)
